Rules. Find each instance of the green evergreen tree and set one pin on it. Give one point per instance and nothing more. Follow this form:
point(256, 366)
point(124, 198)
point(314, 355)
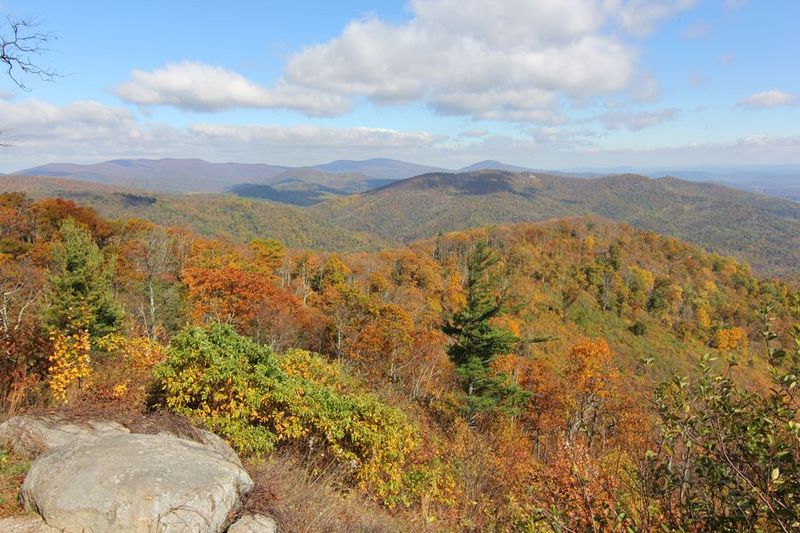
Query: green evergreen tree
point(81, 296)
point(476, 342)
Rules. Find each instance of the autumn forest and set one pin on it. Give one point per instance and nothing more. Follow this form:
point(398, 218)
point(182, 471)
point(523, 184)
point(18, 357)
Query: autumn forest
point(570, 375)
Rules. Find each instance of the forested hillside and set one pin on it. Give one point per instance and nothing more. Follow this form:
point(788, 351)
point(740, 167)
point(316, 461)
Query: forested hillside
point(577, 373)
point(760, 230)
point(211, 215)
point(724, 220)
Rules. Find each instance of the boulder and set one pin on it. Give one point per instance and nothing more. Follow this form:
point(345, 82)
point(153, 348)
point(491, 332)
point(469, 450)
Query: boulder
point(211, 441)
point(135, 482)
point(26, 524)
point(32, 435)
point(254, 523)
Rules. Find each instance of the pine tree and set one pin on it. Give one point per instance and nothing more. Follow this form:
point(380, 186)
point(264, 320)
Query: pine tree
point(476, 342)
point(81, 296)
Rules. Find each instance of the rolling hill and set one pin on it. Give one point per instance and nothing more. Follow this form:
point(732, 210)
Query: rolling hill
point(289, 191)
point(212, 215)
point(380, 168)
point(761, 230)
point(197, 175)
point(161, 175)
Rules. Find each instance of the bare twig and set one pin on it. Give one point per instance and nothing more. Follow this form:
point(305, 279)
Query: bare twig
point(20, 43)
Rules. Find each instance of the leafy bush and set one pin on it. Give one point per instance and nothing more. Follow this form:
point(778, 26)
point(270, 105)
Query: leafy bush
point(258, 399)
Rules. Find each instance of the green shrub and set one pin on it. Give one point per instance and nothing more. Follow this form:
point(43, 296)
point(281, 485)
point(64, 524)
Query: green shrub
point(257, 399)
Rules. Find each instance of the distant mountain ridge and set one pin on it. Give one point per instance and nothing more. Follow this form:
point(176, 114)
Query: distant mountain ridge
point(380, 168)
point(198, 175)
point(353, 176)
point(762, 230)
point(161, 175)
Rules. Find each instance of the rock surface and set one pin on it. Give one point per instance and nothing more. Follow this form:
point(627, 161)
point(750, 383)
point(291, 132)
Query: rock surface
point(26, 524)
point(254, 523)
point(211, 441)
point(135, 482)
point(32, 435)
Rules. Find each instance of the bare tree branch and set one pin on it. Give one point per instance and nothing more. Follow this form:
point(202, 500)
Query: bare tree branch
point(20, 44)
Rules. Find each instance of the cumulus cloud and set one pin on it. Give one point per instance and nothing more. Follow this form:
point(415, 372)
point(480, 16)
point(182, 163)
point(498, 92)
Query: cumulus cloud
point(461, 64)
point(646, 89)
point(197, 86)
point(640, 16)
point(310, 136)
point(616, 120)
point(39, 132)
point(84, 132)
point(768, 99)
point(503, 60)
point(474, 134)
point(510, 60)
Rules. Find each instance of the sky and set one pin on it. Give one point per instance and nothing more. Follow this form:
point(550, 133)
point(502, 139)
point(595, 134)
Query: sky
point(557, 84)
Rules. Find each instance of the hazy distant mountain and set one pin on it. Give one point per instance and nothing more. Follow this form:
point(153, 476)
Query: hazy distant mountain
point(289, 191)
point(351, 176)
point(491, 164)
point(774, 180)
point(197, 175)
point(381, 168)
point(763, 230)
point(345, 182)
point(163, 175)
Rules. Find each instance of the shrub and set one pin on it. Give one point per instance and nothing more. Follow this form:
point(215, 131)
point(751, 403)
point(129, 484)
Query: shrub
point(257, 399)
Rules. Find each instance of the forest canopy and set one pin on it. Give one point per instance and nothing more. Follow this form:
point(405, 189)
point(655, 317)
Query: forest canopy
point(575, 374)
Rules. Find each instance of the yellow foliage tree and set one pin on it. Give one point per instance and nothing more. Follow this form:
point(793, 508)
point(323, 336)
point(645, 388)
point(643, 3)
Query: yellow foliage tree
point(69, 363)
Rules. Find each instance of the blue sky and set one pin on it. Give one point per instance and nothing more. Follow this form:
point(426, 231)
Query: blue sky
point(544, 83)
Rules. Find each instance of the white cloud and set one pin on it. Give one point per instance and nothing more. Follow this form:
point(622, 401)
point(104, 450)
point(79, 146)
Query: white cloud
point(311, 137)
point(646, 89)
point(39, 132)
point(503, 60)
point(615, 120)
point(640, 16)
point(512, 60)
point(85, 132)
point(767, 99)
point(200, 87)
point(474, 134)
point(456, 72)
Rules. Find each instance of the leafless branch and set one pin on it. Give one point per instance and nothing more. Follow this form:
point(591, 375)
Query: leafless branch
point(20, 44)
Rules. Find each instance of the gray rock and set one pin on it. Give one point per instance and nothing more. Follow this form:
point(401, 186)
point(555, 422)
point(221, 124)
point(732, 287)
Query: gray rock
point(32, 435)
point(26, 524)
point(212, 441)
point(254, 523)
point(135, 483)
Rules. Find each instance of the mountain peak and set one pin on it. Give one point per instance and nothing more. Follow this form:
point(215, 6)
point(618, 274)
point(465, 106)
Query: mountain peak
point(492, 164)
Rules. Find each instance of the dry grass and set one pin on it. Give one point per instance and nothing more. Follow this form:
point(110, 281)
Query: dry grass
point(307, 496)
point(13, 468)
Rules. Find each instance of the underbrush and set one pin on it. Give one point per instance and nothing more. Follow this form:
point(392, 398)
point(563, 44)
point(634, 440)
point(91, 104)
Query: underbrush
point(13, 468)
point(306, 495)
